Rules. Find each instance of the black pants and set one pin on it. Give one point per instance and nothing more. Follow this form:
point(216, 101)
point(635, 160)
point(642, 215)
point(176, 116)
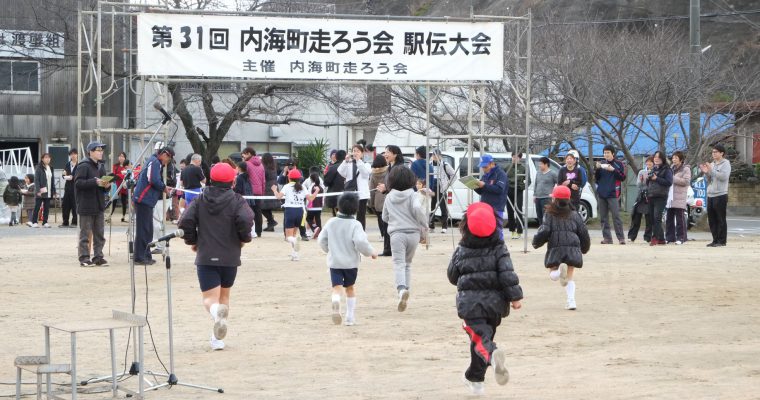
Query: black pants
point(716, 217)
point(675, 225)
point(270, 218)
point(441, 200)
point(656, 208)
point(636, 225)
point(123, 201)
point(361, 214)
point(481, 332)
point(258, 218)
point(69, 206)
point(45, 204)
point(314, 219)
point(143, 231)
point(384, 231)
point(513, 212)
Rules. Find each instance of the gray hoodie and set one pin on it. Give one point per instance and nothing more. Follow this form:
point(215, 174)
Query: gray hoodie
point(403, 211)
point(717, 178)
point(343, 239)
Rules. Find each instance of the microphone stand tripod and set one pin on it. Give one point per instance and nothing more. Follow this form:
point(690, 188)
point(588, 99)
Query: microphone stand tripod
point(171, 377)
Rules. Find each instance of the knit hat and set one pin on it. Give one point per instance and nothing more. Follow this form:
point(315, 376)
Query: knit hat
point(222, 172)
point(561, 192)
point(481, 220)
point(294, 174)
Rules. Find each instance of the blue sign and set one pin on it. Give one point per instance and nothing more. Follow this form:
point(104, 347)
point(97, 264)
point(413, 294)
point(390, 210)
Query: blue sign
point(700, 189)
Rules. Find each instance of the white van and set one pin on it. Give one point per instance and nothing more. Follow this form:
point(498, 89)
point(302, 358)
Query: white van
point(457, 195)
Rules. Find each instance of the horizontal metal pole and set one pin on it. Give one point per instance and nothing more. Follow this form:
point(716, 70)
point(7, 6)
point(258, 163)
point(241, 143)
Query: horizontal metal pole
point(117, 131)
point(112, 3)
point(480, 18)
point(478, 136)
point(506, 18)
point(313, 82)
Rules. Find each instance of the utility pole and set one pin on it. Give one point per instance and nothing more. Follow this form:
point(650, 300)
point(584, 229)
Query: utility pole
point(695, 50)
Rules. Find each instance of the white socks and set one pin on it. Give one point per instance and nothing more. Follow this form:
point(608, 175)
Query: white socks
point(292, 241)
point(570, 289)
point(350, 307)
point(554, 274)
point(335, 298)
point(212, 310)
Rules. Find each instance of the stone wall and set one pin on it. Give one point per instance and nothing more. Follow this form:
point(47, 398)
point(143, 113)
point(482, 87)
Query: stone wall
point(744, 199)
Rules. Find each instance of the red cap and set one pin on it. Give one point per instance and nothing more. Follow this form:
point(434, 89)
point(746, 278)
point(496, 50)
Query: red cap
point(561, 192)
point(222, 172)
point(294, 174)
point(481, 220)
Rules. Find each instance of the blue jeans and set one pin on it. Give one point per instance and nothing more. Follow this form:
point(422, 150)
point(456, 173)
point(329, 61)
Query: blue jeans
point(540, 204)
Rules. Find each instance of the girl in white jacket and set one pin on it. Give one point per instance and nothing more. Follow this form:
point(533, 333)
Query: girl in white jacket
point(357, 174)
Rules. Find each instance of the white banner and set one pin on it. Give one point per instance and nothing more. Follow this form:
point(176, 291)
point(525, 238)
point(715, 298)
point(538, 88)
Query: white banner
point(34, 44)
point(324, 49)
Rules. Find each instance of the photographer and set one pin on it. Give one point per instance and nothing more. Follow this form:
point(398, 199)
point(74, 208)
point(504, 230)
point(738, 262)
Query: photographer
point(357, 172)
point(608, 173)
point(641, 207)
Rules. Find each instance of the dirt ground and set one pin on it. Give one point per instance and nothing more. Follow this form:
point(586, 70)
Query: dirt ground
point(652, 323)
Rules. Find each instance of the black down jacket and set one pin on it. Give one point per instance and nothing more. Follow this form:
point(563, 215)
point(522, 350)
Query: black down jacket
point(485, 280)
point(567, 238)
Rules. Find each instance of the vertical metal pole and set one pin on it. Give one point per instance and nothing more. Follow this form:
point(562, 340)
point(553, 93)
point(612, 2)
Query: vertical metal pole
point(47, 357)
point(469, 141)
point(99, 94)
point(427, 151)
point(79, 77)
point(695, 47)
point(113, 361)
point(73, 365)
point(528, 80)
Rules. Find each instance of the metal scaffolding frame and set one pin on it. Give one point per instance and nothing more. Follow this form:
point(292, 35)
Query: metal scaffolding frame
point(111, 17)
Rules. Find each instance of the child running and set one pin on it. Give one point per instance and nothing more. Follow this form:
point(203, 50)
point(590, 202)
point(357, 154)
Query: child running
point(568, 239)
point(295, 195)
point(406, 218)
point(314, 206)
point(344, 241)
point(486, 282)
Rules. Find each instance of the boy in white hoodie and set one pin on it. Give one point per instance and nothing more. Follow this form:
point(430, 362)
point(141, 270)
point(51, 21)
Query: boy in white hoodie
point(406, 217)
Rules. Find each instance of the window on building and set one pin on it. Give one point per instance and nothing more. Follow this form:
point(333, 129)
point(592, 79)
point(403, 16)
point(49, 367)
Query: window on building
point(20, 76)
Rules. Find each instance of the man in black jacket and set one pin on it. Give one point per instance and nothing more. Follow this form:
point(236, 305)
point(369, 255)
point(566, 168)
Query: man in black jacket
point(217, 225)
point(69, 200)
point(91, 193)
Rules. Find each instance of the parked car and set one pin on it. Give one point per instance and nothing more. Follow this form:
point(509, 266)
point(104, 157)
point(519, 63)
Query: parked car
point(458, 195)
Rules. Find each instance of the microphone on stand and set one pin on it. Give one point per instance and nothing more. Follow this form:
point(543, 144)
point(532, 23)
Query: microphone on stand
point(160, 108)
point(177, 234)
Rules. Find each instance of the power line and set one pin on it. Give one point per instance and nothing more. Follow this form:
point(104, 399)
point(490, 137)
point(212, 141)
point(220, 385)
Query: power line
point(647, 19)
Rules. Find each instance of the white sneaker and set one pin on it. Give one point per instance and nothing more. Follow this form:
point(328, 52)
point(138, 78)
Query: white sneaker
point(35, 225)
point(403, 297)
point(563, 274)
point(216, 344)
point(498, 361)
point(46, 225)
point(30, 224)
point(678, 242)
point(443, 230)
point(476, 388)
point(336, 318)
point(515, 236)
point(294, 256)
point(220, 321)
point(570, 305)
point(350, 321)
